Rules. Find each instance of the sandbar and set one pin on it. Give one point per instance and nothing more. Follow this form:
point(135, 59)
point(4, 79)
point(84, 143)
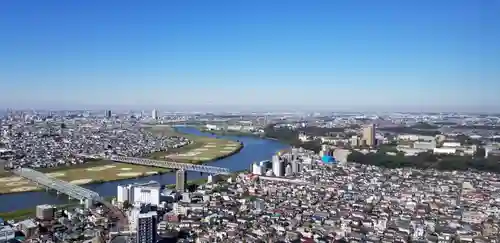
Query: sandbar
point(100, 168)
point(10, 179)
point(23, 189)
point(129, 174)
point(81, 181)
point(55, 174)
point(17, 183)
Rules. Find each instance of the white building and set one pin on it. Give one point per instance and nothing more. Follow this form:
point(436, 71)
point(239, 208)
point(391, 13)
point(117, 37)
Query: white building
point(234, 128)
point(6, 233)
point(445, 150)
point(144, 193)
point(258, 169)
point(415, 137)
point(211, 127)
point(278, 166)
point(154, 114)
point(451, 144)
point(123, 193)
point(424, 145)
point(147, 195)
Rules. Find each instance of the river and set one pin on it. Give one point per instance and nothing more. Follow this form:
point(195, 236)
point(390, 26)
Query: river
point(254, 150)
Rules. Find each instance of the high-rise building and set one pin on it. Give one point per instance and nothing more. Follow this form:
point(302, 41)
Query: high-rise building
point(108, 114)
point(154, 114)
point(278, 166)
point(295, 167)
point(146, 227)
point(369, 135)
point(180, 180)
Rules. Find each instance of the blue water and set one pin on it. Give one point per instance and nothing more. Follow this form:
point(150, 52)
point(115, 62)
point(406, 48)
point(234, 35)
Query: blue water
point(254, 150)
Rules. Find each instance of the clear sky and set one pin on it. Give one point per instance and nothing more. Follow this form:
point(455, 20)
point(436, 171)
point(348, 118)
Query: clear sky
point(316, 53)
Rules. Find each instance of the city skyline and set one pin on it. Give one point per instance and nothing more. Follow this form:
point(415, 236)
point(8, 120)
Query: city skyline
point(355, 55)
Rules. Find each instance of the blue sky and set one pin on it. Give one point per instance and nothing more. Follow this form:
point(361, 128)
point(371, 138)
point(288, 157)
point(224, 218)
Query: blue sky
point(334, 54)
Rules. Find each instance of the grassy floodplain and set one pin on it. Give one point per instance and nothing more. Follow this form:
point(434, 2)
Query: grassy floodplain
point(93, 172)
point(203, 149)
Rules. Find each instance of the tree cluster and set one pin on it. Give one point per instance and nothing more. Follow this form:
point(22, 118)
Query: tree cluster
point(410, 130)
point(289, 136)
point(427, 161)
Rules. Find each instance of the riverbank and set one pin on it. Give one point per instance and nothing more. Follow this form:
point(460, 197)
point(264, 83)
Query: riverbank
point(255, 149)
point(30, 212)
point(99, 173)
point(202, 150)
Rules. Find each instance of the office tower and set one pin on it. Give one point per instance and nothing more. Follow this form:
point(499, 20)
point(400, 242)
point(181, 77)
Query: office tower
point(108, 114)
point(278, 166)
point(146, 227)
point(180, 180)
point(154, 114)
point(123, 193)
point(295, 167)
point(369, 135)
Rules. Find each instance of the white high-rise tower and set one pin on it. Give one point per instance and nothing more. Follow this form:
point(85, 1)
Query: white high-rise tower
point(154, 114)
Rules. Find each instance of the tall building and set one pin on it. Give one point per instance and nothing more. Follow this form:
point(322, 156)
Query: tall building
point(295, 167)
point(278, 166)
point(108, 114)
point(180, 180)
point(369, 135)
point(154, 114)
point(146, 227)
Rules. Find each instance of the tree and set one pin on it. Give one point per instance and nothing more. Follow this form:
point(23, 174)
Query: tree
point(126, 204)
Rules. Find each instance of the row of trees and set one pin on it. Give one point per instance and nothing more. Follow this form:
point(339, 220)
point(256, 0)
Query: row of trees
point(427, 161)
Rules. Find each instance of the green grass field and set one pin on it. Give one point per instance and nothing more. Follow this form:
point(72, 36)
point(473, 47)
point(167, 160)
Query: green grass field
point(202, 149)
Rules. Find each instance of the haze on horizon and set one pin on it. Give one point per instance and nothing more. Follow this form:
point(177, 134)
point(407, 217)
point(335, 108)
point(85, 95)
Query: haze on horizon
point(357, 54)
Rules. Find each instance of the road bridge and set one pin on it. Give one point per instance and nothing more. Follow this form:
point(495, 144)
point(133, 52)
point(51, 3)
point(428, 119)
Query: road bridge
point(164, 164)
point(61, 186)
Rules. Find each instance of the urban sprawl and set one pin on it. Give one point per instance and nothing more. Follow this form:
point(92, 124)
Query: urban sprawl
point(346, 178)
